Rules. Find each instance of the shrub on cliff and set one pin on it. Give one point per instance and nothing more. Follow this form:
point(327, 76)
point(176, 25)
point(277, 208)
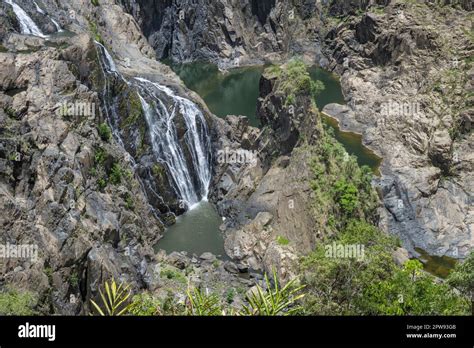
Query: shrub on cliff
point(295, 79)
point(104, 132)
point(13, 302)
point(342, 189)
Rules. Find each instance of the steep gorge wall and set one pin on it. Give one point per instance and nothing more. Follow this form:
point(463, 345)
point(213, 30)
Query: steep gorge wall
point(226, 32)
point(82, 197)
point(406, 79)
point(361, 39)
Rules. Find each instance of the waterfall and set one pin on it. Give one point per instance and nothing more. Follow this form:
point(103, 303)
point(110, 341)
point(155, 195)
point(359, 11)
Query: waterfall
point(27, 25)
point(166, 145)
point(38, 8)
point(109, 69)
point(163, 133)
point(56, 24)
point(109, 63)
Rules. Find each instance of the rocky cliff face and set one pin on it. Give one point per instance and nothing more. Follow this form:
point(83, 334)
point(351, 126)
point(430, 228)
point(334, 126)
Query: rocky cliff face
point(92, 203)
point(407, 84)
point(227, 32)
point(268, 201)
point(52, 194)
point(403, 91)
point(95, 204)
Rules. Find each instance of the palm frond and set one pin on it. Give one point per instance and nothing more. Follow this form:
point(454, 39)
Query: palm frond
point(114, 300)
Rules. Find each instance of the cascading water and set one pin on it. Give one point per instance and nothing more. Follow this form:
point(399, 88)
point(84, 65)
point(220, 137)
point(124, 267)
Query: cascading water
point(27, 25)
point(56, 24)
point(58, 27)
point(38, 8)
point(166, 145)
point(108, 63)
point(109, 69)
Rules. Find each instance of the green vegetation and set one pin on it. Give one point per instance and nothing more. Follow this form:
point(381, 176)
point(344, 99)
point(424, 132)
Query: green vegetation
point(104, 132)
point(74, 279)
point(95, 31)
point(108, 173)
point(129, 203)
point(132, 107)
point(462, 278)
point(95, 2)
point(410, 291)
point(49, 273)
point(158, 171)
point(144, 305)
point(230, 295)
point(10, 112)
point(203, 304)
point(13, 302)
point(276, 300)
point(378, 10)
point(102, 183)
point(13, 156)
point(100, 156)
point(116, 173)
point(295, 80)
point(282, 240)
point(342, 189)
point(115, 300)
point(171, 273)
point(273, 71)
point(373, 284)
point(346, 196)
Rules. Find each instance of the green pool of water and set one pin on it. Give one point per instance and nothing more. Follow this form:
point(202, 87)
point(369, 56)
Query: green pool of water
point(439, 266)
point(226, 93)
point(236, 92)
point(332, 92)
point(352, 142)
point(196, 232)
